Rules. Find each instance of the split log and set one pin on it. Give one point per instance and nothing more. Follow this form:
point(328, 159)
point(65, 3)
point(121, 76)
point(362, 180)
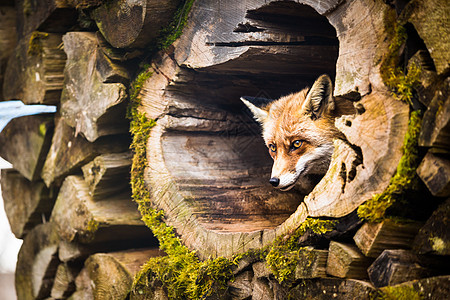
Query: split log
point(7, 38)
point(436, 121)
point(44, 15)
point(433, 27)
point(108, 174)
point(72, 251)
point(25, 141)
point(80, 218)
point(64, 282)
point(331, 288)
point(208, 149)
point(397, 266)
point(27, 204)
point(111, 274)
point(68, 152)
point(346, 261)
point(434, 170)
point(37, 263)
point(83, 287)
point(434, 236)
point(90, 102)
point(133, 24)
point(374, 238)
point(34, 72)
point(312, 264)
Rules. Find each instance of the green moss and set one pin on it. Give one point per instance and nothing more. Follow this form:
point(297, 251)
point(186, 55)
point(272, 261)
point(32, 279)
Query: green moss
point(400, 82)
point(92, 226)
point(35, 43)
point(400, 292)
point(284, 254)
point(42, 129)
point(404, 179)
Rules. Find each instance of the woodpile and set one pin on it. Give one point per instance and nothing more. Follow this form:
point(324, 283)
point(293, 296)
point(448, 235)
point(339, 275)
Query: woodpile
point(376, 224)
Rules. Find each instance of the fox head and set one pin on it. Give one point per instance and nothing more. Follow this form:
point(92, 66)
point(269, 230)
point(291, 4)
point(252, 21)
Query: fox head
point(299, 130)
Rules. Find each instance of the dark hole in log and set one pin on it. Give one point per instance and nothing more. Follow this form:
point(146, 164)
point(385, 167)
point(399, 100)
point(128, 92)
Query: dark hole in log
point(223, 169)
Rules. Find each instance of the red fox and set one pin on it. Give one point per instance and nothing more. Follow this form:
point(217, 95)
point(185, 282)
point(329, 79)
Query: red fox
point(299, 130)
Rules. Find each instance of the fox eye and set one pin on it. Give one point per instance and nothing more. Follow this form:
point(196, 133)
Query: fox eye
point(297, 144)
point(273, 148)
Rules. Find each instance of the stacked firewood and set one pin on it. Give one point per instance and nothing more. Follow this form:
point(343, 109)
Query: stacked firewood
point(68, 195)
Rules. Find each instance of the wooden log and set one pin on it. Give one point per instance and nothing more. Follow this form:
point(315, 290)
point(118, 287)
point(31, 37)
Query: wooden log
point(83, 287)
point(37, 263)
point(241, 287)
point(437, 287)
point(374, 238)
point(27, 137)
point(434, 236)
point(264, 49)
point(111, 274)
point(108, 174)
point(27, 204)
point(81, 219)
point(432, 26)
point(133, 24)
point(312, 263)
point(434, 170)
point(72, 251)
point(44, 15)
point(346, 261)
point(90, 103)
point(331, 288)
point(64, 283)
point(34, 72)
point(68, 152)
point(396, 266)
point(436, 121)
point(7, 38)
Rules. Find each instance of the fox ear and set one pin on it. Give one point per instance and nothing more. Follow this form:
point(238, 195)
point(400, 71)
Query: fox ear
point(256, 107)
point(319, 98)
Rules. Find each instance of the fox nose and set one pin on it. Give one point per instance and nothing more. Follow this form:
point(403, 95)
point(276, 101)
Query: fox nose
point(274, 181)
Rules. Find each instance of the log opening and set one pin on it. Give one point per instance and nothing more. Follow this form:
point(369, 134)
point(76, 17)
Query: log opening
point(211, 147)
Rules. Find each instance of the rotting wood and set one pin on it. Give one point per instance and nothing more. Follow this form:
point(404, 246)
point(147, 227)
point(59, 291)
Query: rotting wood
point(7, 38)
point(80, 218)
point(434, 236)
point(27, 137)
point(37, 263)
point(131, 23)
point(69, 152)
point(112, 273)
point(108, 174)
point(26, 203)
point(397, 266)
point(90, 101)
point(34, 72)
point(346, 261)
point(434, 171)
point(374, 238)
point(64, 282)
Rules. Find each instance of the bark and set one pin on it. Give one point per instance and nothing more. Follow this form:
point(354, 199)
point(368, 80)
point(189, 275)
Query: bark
point(26, 203)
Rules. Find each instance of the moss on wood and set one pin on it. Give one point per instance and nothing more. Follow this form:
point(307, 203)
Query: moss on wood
point(35, 43)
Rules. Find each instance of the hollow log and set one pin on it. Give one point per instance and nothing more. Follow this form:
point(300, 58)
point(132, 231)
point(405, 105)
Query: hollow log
point(69, 151)
point(434, 236)
point(25, 141)
point(37, 263)
point(108, 174)
point(64, 282)
point(133, 24)
point(90, 102)
point(374, 238)
point(7, 38)
point(208, 149)
point(346, 261)
point(111, 274)
point(80, 218)
point(434, 171)
point(44, 15)
point(34, 73)
point(27, 204)
point(397, 266)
